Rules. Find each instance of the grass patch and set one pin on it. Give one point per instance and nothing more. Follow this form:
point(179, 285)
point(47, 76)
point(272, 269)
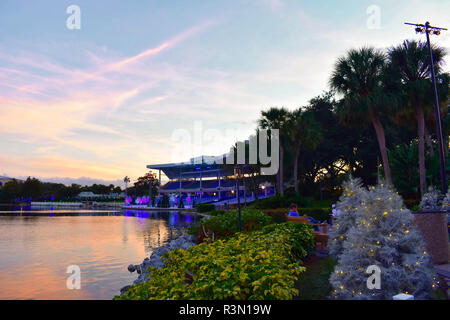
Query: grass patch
point(314, 283)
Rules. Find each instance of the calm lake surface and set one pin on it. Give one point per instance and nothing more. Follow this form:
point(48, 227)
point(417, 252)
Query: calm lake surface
point(36, 249)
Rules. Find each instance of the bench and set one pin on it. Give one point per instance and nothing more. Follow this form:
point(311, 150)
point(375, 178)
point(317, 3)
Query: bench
point(320, 237)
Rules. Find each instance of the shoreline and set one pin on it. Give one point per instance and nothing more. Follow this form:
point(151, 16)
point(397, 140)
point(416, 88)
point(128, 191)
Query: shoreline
point(145, 208)
point(184, 242)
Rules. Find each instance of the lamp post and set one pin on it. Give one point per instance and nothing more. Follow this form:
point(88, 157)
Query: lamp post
point(237, 175)
point(428, 29)
point(433, 225)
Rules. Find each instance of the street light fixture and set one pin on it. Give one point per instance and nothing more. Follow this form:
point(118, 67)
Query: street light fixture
point(428, 29)
point(238, 174)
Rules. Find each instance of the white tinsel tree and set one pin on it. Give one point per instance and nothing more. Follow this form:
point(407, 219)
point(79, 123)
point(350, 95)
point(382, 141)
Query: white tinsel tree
point(446, 205)
point(382, 236)
point(446, 201)
point(352, 195)
point(431, 200)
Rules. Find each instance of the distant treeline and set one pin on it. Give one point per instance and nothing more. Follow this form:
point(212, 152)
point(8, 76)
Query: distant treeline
point(32, 190)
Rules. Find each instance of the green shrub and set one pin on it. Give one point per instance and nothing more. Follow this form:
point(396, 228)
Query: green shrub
point(320, 214)
point(285, 201)
point(259, 265)
point(215, 212)
point(410, 203)
point(226, 223)
point(205, 207)
point(279, 215)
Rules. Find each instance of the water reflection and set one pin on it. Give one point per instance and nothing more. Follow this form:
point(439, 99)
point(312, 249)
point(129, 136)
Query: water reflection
point(35, 250)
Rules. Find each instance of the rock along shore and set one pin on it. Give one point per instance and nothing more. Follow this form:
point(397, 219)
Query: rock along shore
point(183, 242)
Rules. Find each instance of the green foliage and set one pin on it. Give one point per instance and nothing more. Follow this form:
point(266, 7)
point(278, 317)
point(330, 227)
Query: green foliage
point(148, 184)
point(279, 215)
point(226, 223)
point(258, 265)
point(411, 203)
point(164, 203)
point(285, 201)
point(215, 212)
point(314, 284)
point(320, 214)
point(44, 191)
point(405, 176)
point(404, 167)
point(298, 234)
point(11, 190)
point(322, 203)
point(205, 207)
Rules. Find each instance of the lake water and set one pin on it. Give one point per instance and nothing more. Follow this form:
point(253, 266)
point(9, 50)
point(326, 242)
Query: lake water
point(36, 249)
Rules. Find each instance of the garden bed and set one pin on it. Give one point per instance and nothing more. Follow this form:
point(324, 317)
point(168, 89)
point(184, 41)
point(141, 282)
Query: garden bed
point(263, 264)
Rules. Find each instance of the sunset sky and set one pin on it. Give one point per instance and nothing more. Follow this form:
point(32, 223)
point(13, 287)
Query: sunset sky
point(103, 102)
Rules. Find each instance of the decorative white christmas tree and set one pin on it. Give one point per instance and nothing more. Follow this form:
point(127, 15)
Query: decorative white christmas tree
point(446, 201)
point(432, 200)
point(350, 200)
point(384, 237)
point(446, 205)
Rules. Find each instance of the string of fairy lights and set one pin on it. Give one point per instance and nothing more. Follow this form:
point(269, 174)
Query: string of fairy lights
point(371, 249)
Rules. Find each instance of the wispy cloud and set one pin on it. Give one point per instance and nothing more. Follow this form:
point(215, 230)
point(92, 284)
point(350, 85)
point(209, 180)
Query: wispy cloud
point(60, 110)
point(102, 105)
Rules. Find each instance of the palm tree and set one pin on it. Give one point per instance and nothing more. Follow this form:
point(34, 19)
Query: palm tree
point(277, 118)
point(126, 180)
point(411, 63)
point(305, 133)
point(359, 78)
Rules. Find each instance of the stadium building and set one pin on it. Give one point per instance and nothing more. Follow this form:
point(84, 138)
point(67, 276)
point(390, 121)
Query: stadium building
point(204, 179)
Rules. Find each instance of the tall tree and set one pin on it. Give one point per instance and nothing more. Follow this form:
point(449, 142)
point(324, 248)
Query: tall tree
point(12, 190)
point(147, 184)
point(411, 63)
point(31, 189)
point(305, 132)
point(359, 78)
point(277, 118)
point(126, 180)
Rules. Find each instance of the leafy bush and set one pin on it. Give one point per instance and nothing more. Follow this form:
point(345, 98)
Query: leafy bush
point(403, 160)
point(226, 223)
point(320, 214)
point(279, 215)
point(215, 212)
point(205, 207)
point(410, 203)
point(285, 201)
point(258, 265)
point(298, 233)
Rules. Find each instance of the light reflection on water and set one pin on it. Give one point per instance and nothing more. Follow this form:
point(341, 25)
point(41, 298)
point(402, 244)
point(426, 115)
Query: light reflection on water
point(36, 249)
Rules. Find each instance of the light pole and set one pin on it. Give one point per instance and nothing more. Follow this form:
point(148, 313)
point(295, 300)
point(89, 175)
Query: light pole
point(237, 175)
point(428, 29)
